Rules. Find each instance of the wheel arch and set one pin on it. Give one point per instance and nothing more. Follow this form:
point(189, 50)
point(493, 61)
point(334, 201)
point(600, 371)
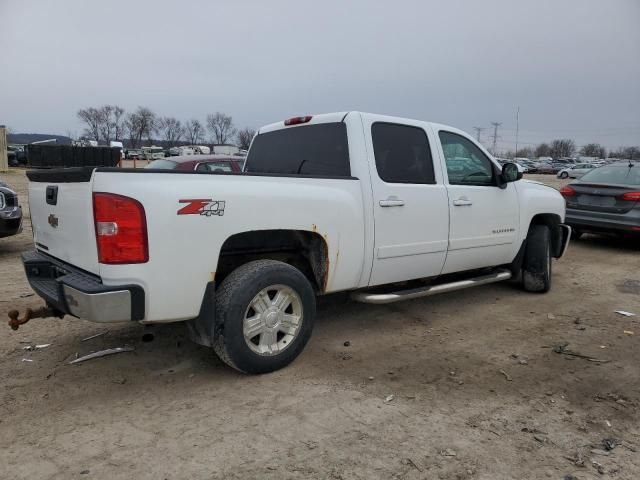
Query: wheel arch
point(303, 249)
point(552, 221)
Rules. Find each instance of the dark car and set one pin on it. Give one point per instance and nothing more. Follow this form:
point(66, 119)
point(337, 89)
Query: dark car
point(10, 212)
point(200, 163)
point(607, 199)
point(16, 155)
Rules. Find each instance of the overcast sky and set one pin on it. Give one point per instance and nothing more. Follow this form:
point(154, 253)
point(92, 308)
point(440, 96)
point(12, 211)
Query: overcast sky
point(573, 66)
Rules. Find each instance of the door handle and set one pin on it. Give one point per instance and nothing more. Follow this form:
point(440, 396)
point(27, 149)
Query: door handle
point(462, 202)
point(391, 202)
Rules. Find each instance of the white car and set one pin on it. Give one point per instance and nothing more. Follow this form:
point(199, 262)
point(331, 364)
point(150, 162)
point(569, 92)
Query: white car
point(576, 171)
point(327, 203)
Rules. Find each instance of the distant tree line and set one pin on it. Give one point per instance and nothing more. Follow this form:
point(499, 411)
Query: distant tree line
point(565, 147)
point(111, 122)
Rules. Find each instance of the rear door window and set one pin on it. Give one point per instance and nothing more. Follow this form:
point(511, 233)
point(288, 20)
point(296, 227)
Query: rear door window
point(320, 150)
point(402, 153)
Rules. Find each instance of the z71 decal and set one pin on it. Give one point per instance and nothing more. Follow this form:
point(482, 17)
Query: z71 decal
point(202, 206)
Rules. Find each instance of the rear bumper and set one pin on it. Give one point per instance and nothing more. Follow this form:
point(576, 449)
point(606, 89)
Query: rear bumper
point(75, 292)
point(604, 222)
point(10, 221)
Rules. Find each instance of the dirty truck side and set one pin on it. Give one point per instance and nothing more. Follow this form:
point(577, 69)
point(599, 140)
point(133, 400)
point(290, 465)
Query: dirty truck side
point(386, 207)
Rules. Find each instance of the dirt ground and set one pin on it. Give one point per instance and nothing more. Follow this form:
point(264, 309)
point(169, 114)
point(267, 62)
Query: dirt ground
point(478, 392)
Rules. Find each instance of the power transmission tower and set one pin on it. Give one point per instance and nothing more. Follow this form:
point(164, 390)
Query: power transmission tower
point(478, 132)
point(495, 136)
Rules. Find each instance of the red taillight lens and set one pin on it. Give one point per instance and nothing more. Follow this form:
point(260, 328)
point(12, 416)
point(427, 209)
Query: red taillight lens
point(630, 196)
point(121, 229)
point(567, 191)
point(298, 120)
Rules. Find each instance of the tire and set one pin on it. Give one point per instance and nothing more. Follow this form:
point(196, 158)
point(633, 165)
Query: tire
point(245, 288)
point(564, 175)
point(536, 272)
point(576, 234)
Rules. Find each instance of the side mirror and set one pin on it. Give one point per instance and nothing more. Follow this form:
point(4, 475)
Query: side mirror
point(510, 172)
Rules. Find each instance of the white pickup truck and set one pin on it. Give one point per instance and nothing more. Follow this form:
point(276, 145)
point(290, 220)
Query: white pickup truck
point(388, 208)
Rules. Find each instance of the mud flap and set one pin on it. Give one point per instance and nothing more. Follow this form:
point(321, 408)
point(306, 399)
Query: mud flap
point(203, 329)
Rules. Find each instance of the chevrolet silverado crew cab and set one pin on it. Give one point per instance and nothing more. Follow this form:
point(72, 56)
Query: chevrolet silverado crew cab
point(388, 208)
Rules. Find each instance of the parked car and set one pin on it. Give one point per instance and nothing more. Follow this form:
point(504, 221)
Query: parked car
point(132, 154)
point(10, 212)
point(16, 155)
point(200, 163)
point(387, 208)
point(606, 199)
point(576, 171)
point(545, 168)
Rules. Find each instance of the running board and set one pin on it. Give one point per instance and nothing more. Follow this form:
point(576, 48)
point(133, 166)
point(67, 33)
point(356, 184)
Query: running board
point(379, 298)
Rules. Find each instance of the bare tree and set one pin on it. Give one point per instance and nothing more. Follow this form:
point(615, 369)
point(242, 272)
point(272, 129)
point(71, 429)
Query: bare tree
point(106, 125)
point(524, 153)
point(542, 150)
point(194, 131)
point(141, 124)
point(244, 137)
point(627, 153)
point(562, 148)
point(221, 128)
point(117, 120)
point(171, 130)
point(593, 150)
point(92, 118)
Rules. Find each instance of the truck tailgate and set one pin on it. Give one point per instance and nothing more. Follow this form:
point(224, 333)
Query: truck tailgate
point(62, 218)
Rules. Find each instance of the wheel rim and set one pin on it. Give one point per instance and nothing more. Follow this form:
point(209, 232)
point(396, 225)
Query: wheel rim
point(272, 320)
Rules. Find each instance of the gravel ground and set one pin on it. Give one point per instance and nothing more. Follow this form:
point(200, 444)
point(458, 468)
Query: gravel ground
point(459, 386)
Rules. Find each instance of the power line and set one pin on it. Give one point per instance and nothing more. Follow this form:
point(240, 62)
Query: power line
point(479, 131)
point(495, 126)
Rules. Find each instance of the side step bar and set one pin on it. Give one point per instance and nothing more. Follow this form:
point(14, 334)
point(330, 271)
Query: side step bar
point(379, 298)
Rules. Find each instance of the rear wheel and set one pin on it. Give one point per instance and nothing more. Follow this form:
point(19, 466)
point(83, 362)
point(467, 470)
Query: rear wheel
point(564, 175)
point(536, 271)
point(266, 310)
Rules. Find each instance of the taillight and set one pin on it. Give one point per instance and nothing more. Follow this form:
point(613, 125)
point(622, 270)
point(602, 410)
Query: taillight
point(298, 120)
point(630, 196)
point(121, 229)
point(567, 191)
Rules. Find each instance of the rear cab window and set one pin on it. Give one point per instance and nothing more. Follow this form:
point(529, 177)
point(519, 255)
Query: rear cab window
point(316, 150)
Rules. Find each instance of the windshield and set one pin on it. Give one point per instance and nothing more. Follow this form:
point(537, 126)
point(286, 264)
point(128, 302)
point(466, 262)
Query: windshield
point(164, 164)
point(306, 150)
point(618, 174)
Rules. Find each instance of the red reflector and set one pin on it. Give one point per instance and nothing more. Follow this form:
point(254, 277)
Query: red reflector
point(121, 229)
point(567, 191)
point(298, 120)
point(630, 196)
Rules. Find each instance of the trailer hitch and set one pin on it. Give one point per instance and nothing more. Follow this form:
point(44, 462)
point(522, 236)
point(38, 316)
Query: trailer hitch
point(42, 312)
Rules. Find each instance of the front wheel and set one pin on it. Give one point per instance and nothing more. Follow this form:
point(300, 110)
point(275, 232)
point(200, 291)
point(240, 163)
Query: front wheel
point(536, 271)
point(266, 311)
point(564, 175)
